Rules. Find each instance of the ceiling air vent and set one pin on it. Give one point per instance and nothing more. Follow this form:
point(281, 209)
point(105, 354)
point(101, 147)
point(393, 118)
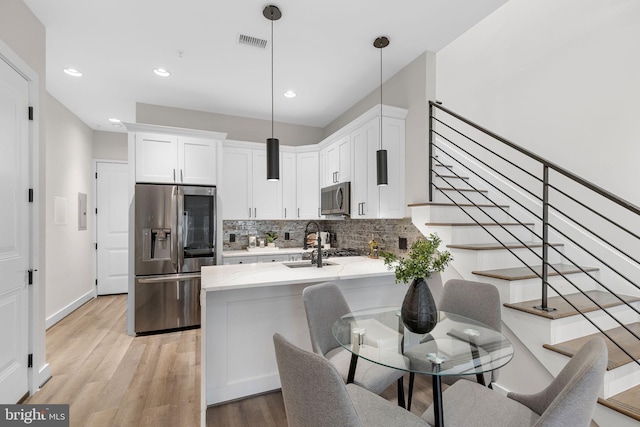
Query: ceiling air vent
point(252, 41)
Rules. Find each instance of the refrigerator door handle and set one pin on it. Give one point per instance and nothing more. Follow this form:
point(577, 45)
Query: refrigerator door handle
point(179, 199)
point(168, 278)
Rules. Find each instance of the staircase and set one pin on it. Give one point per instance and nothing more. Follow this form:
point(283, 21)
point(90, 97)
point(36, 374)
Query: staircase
point(592, 290)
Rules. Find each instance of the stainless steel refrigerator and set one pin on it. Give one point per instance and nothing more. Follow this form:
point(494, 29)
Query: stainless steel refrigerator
point(175, 232)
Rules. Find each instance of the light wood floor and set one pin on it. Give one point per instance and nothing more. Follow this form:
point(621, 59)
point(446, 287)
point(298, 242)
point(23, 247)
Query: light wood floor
point(112, 379)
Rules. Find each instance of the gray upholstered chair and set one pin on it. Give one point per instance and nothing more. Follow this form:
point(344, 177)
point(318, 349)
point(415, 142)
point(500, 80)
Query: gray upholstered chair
point(324, 304)
point(474, 300)
point(569, 400)
point(315, 394)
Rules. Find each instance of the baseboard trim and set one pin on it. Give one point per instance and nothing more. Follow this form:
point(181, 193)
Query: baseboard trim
point(64, 312)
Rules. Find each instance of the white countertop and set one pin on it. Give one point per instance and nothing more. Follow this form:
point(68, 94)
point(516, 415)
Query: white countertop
point(225, 277)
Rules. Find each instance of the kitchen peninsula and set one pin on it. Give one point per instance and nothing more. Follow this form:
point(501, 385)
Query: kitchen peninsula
point(244, 305)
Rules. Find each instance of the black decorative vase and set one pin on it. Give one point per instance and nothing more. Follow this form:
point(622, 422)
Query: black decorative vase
point(419, 312)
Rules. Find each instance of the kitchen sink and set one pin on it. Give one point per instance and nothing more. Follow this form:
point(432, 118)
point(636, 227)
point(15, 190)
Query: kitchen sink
point(304, 264)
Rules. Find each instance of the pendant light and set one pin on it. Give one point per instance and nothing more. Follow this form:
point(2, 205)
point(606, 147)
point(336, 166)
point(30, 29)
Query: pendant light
point(381, 154)
point(272, 13)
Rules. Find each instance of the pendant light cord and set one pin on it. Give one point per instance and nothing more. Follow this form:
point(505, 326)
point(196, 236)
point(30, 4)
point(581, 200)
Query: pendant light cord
point(271, 74)
point(381, 98)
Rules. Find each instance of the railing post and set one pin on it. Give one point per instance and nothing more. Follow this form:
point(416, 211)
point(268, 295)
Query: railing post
point(545, 239)
point(430, 152)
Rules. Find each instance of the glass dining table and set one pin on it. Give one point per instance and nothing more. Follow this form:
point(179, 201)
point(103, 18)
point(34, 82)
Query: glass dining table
point(457, 346)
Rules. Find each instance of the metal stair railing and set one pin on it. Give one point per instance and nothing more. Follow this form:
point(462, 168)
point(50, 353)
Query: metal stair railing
point(543, 196)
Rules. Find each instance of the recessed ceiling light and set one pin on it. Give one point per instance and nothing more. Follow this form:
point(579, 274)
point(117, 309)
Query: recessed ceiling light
point(72, 72)
point(114, 120)
point(290, 94)
point(161, 72)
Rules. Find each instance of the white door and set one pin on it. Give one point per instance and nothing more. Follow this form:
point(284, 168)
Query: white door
point(14, 234)
point(112, 224)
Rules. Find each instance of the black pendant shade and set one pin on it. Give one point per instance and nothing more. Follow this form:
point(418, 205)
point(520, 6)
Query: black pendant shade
point(273, 159)
point(381, 167)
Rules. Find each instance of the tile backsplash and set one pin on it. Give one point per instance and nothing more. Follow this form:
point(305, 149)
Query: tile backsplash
point(349, 233)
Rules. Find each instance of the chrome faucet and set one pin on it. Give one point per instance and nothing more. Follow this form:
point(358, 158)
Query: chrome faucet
point(319, 245)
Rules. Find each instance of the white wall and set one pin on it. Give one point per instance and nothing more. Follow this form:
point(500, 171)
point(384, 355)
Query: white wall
point(238, 128)
point(70, 252)
point(559, 77)
point(110, 145)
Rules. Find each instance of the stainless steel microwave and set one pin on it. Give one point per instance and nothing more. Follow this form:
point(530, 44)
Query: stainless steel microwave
point(336, 199)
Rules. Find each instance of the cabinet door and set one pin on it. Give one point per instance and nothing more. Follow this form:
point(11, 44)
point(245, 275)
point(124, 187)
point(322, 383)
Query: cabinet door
point(308, 188)
point(267, 195)
point(288, 177)
point(156, 158)
point(228, 260)
point(392, 197)
point(344, 160)
point(332, 164)
point(196, 161)
point(273, 258)
point(364, 189)
point(235, 188)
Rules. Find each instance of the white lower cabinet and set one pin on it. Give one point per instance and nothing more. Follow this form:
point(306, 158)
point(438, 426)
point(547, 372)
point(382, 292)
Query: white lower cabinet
point(228, 260)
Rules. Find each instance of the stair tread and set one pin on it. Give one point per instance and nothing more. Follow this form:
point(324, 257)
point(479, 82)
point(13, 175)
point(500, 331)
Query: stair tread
point(522, 273)
point(451, 176)
point(616, 357)
point(464, 205)
point(627, 402)
point(495, 246)
point(563, 309)
point(461, 189)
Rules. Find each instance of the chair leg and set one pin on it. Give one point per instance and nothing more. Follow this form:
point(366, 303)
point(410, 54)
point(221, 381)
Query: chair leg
point(411, 378)
point(401, 393)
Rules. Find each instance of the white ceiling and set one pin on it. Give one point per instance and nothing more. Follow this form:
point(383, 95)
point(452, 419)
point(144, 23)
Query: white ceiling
point(322, 50)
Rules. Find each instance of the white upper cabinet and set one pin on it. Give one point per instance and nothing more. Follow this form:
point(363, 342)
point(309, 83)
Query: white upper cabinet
point(392, 196)
point(175, 158)
point(196, 161)
point(289, 184)
point(156, 158)
point(307, 185)
point(266, 195)
point(235, 188)
point(364, 188)
point(245, 191)
point(337, 162)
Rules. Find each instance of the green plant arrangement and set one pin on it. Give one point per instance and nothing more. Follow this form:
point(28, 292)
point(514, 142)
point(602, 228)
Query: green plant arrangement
point(419, 312)
point(422, 259)
point(271, 236)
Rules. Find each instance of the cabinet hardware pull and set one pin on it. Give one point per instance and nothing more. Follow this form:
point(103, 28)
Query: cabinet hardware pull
point(298, 212)
point(363, 208)
point(181, 177)
point(249, 212)
point(285, 212)
point(174, 175)
point(255, 212)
